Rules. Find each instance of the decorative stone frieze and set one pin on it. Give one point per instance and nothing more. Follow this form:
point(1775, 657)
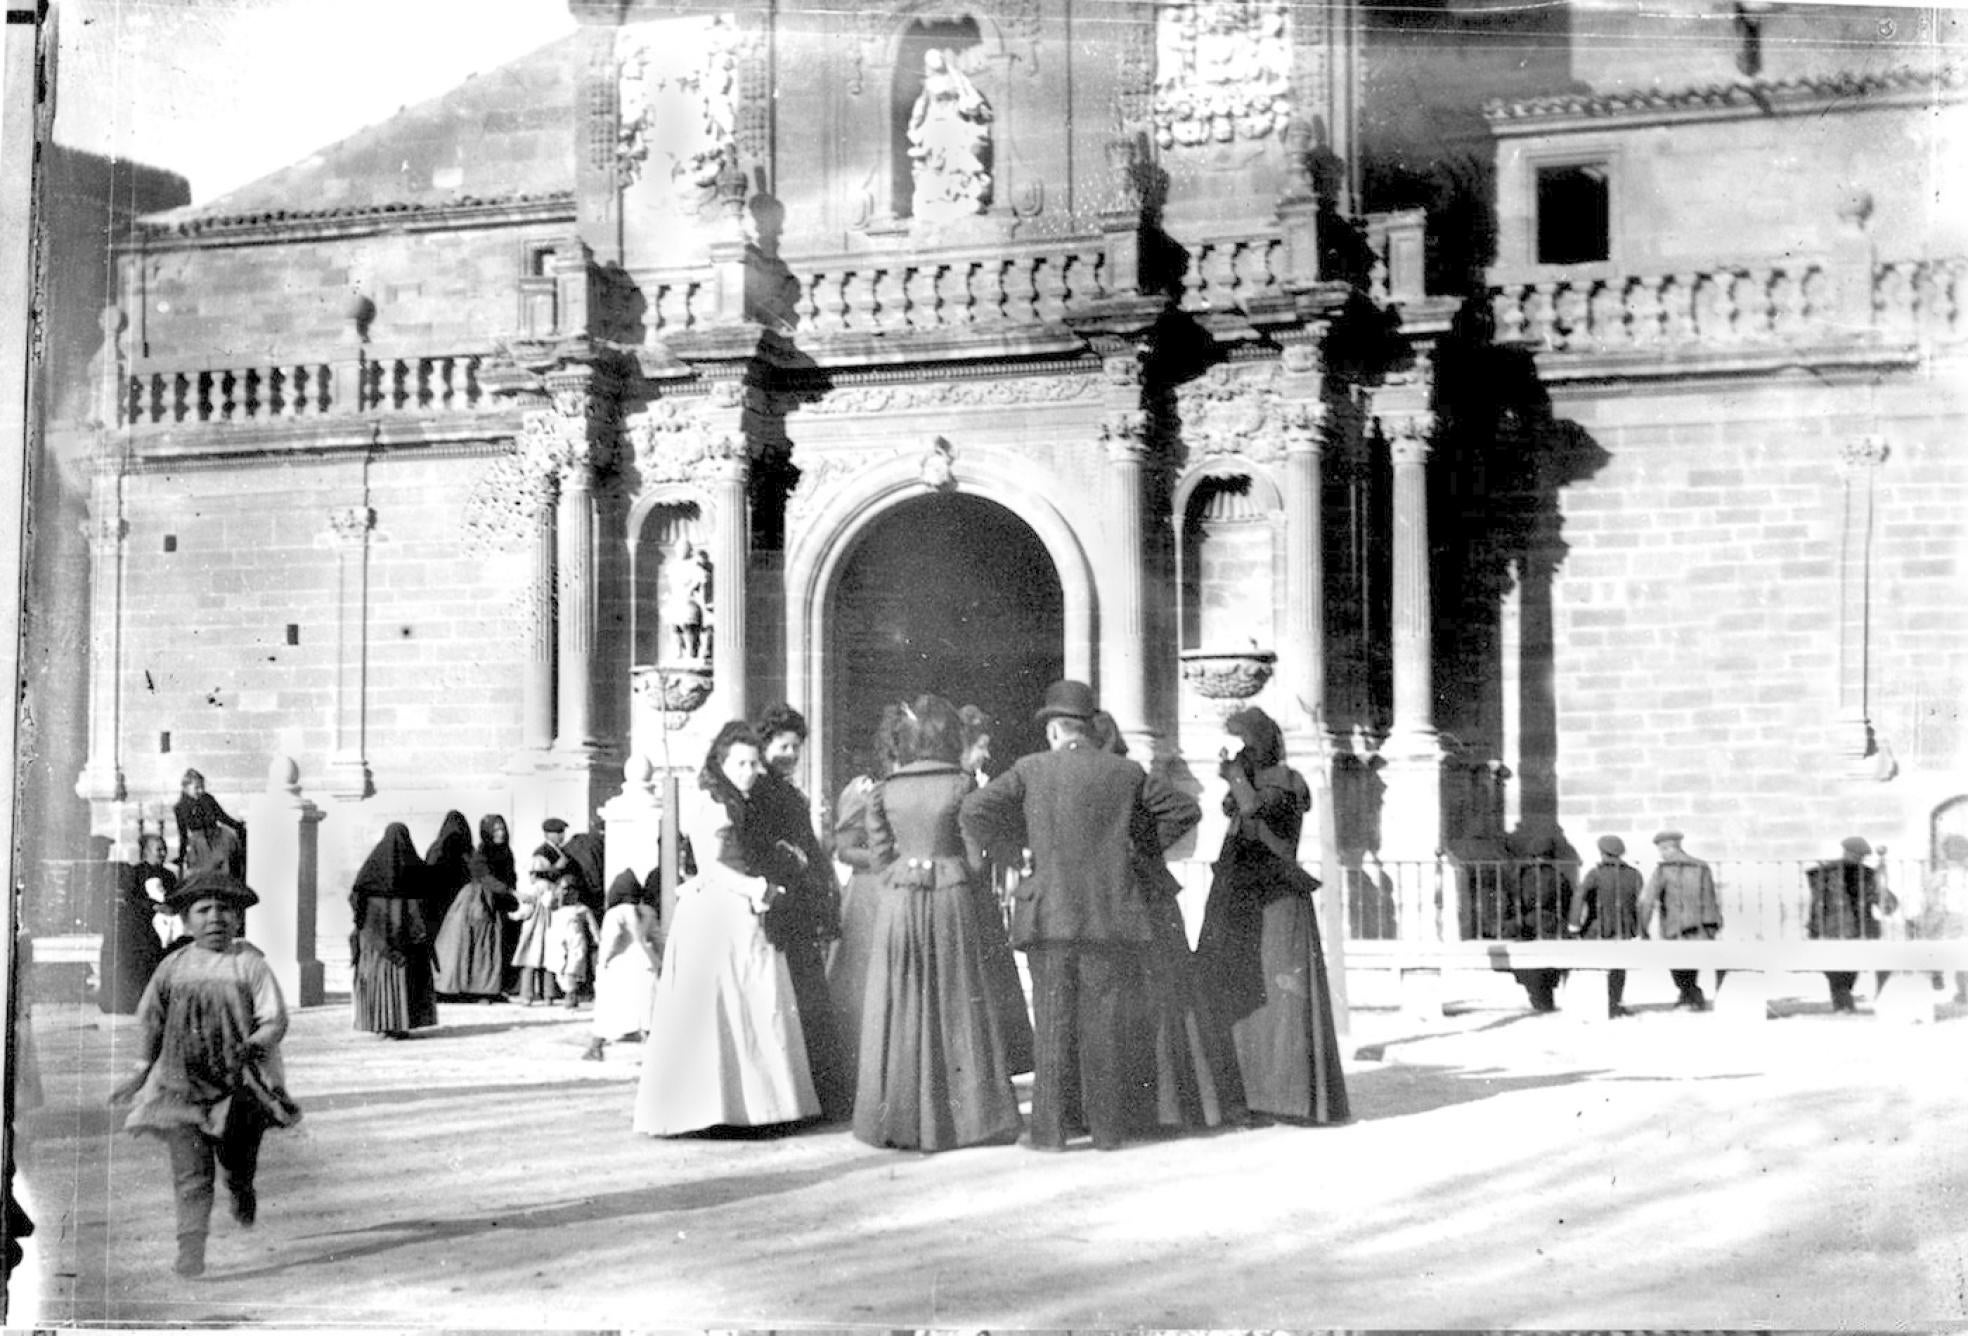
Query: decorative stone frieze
point(674, 441)
point(821, 475)
point(680, 101)
point(1223, 72)
point(1233, 410)
point(971, 393)
point(1134, 90)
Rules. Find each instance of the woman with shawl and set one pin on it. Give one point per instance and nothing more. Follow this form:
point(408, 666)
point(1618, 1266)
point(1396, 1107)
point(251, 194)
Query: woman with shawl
point(210, 1081)
point(1187, 1047)
point(495, 867)
point(131, 948)
point(470, 966)
point(391, 944)
point(628, 958)
point(208, 836)
point(448, 865)
point(1259, 953)
point(725, 1045)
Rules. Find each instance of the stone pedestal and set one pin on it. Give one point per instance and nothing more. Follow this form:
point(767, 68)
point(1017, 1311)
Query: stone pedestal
point(634, 821)
point(281, 859)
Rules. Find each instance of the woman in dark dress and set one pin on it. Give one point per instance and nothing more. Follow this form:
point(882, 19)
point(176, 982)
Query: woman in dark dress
point(934, 1073)
point(391, 945)
point(448, 860)
point(497, 869)
point(1187, 1046)
point(1259, 953)
point(130, 946)
point(847, 958)
point(1000, 966)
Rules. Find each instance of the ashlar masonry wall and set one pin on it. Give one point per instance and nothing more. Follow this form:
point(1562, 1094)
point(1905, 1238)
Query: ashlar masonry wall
point(1697, 616)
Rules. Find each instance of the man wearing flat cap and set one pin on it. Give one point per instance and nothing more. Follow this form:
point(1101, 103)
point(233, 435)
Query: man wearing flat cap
point(1683, 888)
point(1607, 908)
point(1079, 915)
point(1847, 902)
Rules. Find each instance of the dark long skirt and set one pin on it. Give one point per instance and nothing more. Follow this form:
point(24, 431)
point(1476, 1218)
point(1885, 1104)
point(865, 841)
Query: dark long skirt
point(934, 1072)
point(130, 952)
point(847, 964)
point(1196, 1080)
point(1001, 978)
point(467, 947)
point(1288, 1049)
point(393, 998)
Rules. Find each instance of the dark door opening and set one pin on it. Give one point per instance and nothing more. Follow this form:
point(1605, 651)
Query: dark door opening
point(948, 594)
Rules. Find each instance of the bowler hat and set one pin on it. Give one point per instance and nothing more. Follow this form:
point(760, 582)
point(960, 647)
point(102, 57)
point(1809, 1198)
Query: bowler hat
point(212, 884)
point(1668, 837)
point(1855, 845)
point(1612, 845)
point(1067, 699)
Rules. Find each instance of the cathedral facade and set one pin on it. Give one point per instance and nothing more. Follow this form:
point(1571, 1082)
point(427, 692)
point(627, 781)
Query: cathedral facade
point(1553, 420)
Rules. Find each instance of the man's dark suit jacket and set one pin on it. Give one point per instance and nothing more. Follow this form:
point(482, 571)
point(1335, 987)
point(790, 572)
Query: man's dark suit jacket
point(1079, 810)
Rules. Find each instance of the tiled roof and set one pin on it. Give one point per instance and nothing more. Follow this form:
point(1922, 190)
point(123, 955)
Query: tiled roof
point(1754, 93)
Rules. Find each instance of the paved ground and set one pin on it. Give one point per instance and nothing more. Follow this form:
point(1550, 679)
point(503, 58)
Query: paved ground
point(1504, 1169)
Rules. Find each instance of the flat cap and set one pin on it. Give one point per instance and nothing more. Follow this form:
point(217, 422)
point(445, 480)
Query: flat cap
point(1668, 837)
point(1612, 844)
point(553, 825)
point(1855, 845)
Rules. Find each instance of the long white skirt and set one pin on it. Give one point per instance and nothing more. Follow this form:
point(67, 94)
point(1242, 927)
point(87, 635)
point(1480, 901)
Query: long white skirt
point(725, 1046)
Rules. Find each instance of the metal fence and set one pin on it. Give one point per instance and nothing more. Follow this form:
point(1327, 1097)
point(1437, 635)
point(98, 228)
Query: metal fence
point(1450, 899)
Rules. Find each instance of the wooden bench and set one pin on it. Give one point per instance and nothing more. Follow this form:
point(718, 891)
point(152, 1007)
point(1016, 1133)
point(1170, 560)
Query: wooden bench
point(1749, 964)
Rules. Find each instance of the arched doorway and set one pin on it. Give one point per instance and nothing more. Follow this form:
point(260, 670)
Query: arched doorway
point(946, 593)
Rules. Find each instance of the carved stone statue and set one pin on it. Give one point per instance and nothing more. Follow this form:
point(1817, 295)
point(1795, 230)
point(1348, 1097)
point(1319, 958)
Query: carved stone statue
point(950, 142)
point(685, 604)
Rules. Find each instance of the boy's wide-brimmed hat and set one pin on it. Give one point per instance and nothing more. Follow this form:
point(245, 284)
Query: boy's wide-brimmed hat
point(213, 885)
point(1067, 699)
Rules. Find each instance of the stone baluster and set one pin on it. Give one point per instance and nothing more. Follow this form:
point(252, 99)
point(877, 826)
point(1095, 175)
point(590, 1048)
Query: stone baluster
point(859, 297)
point(1678, 307)
point(1643, 312)
point(1507, 311)
point(101, 780)
point(1020, 291)
point(1049, 277)
point(281, 862)
point(953, 292)
point(1538, 314)
point(348, 765)
point(892, 299)
point(989, 299)
point(921, 293)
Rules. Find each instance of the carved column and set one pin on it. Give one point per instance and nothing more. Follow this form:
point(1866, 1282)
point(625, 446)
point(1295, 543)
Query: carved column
point(1411, 825)
point(726, 469)
point(1860, 461)
point(1304, 658)
point(579, 435)
point(101, 780)
point(348, 764)
point(536, 692)
point(1123, 636)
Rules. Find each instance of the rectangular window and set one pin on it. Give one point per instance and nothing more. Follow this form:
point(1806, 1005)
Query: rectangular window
point(1574, 214)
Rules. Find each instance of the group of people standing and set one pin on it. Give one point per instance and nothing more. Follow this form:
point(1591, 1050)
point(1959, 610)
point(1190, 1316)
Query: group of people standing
point(460, 923)
point(898, 1004)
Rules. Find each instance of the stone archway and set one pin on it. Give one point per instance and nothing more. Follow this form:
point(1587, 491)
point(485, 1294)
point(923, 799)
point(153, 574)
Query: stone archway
point(949, 593)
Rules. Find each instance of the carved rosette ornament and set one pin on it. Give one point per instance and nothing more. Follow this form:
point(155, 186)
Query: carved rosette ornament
point(1224, 72)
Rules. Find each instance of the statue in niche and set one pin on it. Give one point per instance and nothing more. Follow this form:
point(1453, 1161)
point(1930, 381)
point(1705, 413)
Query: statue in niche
point(949, 141)
point(685, 604)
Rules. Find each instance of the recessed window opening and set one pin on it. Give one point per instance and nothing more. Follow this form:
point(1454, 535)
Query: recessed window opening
point(1574, 214)
point(164, 742)
point(293, 633)
point(170, 542)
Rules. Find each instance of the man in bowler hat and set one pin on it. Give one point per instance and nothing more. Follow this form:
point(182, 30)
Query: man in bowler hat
point(1683, 888)
point(1607, 908)
point(1079, 915)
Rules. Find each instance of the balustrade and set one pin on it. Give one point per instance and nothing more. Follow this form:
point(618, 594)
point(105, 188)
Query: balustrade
point(166, 395)
point(1727, 306)
point(1224, 275)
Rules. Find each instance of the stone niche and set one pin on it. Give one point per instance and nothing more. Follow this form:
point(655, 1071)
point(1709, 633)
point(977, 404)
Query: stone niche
point(1228, 562)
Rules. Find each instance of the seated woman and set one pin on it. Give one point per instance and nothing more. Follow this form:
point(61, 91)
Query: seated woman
point(725, 1046)
point(208, 835)
point(131, 947)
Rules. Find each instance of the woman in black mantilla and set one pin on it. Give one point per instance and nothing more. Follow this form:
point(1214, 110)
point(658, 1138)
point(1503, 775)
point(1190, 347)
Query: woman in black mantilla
point(1259, 953)
point(496, 867)
point(391, 945)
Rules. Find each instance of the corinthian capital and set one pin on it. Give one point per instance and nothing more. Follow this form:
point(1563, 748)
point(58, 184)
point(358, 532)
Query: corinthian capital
point(1125, 434)
point(1299, 422)
point(1408, 436)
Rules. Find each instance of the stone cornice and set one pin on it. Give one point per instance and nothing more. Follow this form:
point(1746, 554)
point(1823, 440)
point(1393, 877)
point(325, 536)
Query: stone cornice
point(228, 445)
point(288, 225)
point(1845, 92)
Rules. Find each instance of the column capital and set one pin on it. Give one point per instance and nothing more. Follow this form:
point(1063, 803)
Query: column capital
point(351, 524)
point(1299, 421)
point(1408, 436)
point(1123, 368)
point(1125, 435)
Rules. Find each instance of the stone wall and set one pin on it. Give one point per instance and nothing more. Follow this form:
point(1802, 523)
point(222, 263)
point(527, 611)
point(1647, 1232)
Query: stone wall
point(1695, 617)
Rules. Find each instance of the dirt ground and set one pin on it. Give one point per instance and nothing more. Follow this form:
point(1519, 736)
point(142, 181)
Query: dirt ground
point(1503, 1169)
